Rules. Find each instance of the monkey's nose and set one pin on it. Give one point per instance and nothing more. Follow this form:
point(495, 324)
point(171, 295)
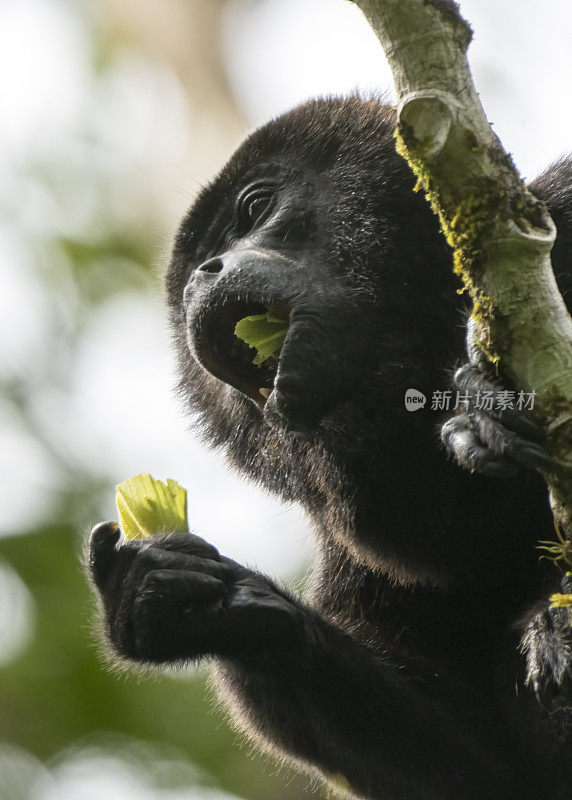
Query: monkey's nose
point(212, 266)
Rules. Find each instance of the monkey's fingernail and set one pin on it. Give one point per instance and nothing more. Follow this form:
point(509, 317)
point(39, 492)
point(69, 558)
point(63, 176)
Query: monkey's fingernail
point(103, 539)
point(103, 529)
point(265, 393)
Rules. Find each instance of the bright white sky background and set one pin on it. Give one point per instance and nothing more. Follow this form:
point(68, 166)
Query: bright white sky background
point(279, 52)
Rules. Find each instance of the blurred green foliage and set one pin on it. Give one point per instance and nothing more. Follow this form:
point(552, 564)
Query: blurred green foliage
point(59, 692)
point(58, 695)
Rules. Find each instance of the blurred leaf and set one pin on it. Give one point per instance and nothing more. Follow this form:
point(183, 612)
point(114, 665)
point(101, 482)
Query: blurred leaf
point(103, 268)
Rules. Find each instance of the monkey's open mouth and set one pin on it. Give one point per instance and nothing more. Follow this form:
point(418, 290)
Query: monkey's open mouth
point(230, 359)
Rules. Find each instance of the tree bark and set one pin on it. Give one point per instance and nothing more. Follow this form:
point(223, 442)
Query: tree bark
point(500, 234)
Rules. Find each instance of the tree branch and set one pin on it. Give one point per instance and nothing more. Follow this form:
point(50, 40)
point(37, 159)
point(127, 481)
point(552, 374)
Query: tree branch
point(501, 235)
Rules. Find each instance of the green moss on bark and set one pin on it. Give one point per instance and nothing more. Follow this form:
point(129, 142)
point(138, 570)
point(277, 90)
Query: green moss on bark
point(462, 226)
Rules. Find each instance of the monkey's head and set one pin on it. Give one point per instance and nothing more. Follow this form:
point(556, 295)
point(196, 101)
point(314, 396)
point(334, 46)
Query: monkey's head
point(314, 220)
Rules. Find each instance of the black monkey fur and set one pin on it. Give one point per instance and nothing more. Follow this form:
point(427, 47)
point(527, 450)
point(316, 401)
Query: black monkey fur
point(425, 665)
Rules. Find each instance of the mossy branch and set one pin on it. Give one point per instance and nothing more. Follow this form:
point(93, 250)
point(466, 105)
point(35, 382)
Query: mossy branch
point(501, 235)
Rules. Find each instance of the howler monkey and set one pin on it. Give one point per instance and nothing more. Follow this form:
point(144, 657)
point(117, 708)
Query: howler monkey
point(426, 664)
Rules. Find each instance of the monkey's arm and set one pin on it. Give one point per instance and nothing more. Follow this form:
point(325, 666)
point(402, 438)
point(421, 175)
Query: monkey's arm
point(294, 678)
point(331, 703)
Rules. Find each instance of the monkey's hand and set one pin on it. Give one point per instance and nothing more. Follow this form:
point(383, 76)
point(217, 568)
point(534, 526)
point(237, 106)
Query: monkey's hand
point(173, 597)
point(547, 644)
point(488, 433)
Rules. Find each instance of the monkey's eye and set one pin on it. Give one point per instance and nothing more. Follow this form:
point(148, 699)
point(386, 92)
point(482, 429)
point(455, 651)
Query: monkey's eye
point(253, 207)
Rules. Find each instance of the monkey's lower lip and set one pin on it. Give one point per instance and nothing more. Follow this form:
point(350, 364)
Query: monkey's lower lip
point(227, 357)
point(287, 407)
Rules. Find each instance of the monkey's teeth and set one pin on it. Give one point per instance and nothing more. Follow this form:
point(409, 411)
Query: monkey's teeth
point(265, 393)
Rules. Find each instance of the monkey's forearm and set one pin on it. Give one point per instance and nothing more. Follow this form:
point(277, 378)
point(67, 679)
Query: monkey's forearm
point(329, 701)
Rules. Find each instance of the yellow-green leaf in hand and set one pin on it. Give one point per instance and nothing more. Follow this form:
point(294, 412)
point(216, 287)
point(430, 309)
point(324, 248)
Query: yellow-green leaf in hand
point(147, 506)
point(264, 332)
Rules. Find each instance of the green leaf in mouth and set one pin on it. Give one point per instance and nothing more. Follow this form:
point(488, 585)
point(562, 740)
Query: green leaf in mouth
point(264, 332)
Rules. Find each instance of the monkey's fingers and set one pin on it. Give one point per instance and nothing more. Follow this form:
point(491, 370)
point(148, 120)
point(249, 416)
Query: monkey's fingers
point(103, 542)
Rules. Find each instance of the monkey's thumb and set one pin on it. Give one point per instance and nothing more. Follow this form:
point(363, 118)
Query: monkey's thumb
point(102, 549)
